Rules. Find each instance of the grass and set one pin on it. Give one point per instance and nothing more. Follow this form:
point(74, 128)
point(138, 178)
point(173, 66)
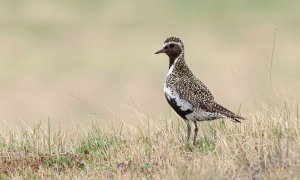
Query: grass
point(76, 61)
point(266, 146)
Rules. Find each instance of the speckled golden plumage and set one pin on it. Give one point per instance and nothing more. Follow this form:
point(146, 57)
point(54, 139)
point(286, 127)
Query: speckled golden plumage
point(186, 94)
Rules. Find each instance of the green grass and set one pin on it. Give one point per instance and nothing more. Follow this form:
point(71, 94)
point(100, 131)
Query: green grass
point(266, 146)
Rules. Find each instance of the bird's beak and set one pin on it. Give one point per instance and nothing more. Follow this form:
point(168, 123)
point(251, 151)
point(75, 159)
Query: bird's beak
point(160, 51)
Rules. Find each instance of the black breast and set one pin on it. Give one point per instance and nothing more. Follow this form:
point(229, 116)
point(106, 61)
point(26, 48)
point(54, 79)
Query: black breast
point(177, 109)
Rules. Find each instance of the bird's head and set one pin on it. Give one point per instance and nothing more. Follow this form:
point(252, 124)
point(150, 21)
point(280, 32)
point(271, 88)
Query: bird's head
point(172, 46)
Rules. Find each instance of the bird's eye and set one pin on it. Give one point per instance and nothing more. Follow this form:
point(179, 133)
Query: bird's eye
point(172, 45)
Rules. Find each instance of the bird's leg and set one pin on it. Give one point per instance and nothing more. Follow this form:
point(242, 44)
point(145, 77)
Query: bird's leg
point(188, 131)
point(195, 133)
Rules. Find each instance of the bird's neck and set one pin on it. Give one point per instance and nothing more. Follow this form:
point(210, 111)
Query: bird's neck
point(175, 59)
point(171, 61)
point(178, 66)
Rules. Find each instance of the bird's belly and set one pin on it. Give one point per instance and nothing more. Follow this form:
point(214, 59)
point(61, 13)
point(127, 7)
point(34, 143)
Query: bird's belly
point(180, 106)
point(201, 116)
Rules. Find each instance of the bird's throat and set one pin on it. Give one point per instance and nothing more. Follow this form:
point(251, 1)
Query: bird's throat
point(173, 59)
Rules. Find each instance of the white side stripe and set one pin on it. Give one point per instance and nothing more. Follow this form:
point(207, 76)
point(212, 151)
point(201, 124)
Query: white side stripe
point(183, 104)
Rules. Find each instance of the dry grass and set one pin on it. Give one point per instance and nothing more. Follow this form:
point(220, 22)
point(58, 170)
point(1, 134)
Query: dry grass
point(265, 146)
point(76, 61)
point(63, 58)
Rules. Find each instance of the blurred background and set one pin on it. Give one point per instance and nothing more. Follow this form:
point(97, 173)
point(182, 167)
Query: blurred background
point(77, 61)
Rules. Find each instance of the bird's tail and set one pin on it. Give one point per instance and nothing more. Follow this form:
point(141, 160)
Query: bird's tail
point(237, 118)
point(217, 108)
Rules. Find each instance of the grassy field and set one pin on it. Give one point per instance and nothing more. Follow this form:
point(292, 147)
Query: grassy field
point(76, 61)
point(81, 89)
point(265, 146)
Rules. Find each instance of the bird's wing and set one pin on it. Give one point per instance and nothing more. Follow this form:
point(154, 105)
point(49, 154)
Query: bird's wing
point(196, 93)
point(193, 90)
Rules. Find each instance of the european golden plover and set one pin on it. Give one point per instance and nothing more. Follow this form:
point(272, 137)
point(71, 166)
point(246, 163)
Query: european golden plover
point(186, 94)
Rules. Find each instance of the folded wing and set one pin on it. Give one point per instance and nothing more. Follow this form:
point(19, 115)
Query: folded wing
point(195, 92)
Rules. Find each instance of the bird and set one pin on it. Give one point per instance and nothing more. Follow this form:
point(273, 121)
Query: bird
point(186, 94)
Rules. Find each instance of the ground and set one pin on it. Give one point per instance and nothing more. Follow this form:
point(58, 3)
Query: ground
point(266, 145)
